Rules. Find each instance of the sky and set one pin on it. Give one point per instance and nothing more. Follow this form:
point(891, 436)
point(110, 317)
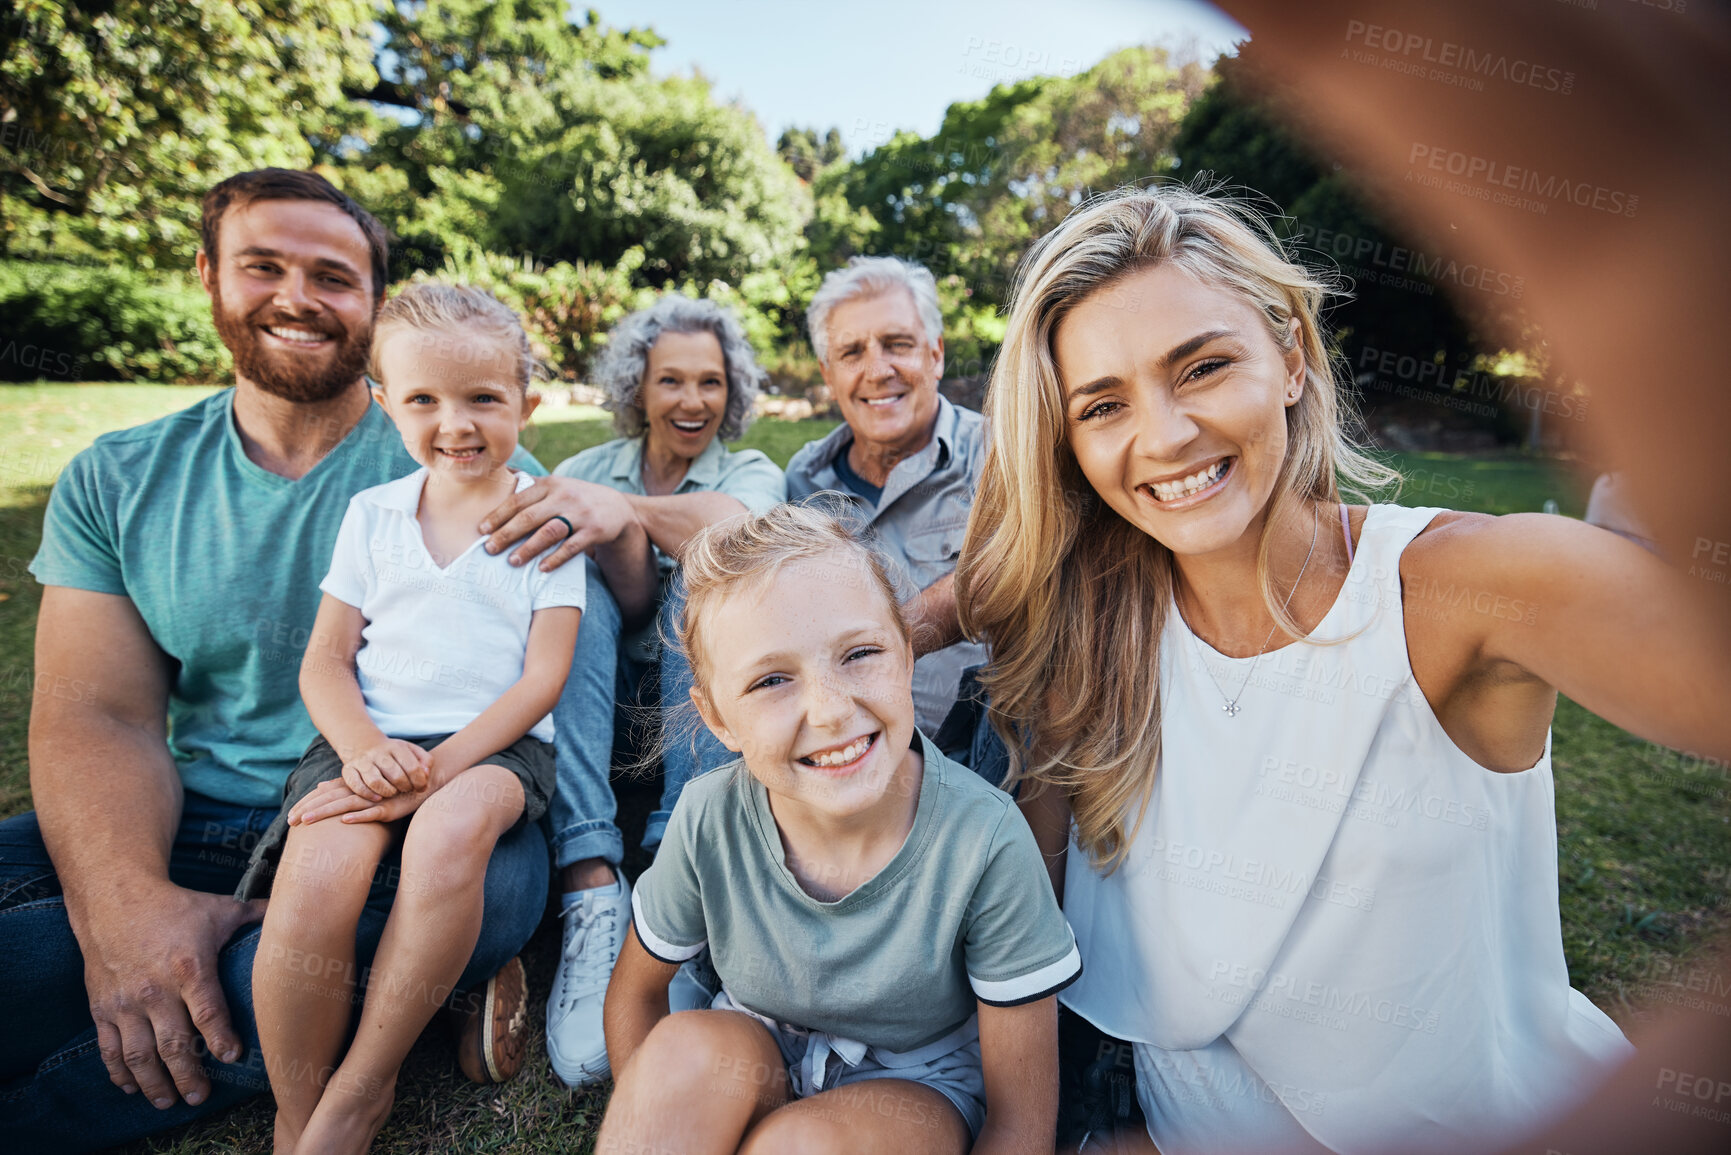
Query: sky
point(873, 67)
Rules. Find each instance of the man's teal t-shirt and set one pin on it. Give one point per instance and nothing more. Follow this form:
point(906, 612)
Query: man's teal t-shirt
point(223, 560)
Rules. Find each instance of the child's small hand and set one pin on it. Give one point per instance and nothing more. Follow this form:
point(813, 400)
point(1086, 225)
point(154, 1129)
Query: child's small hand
point(334, 799)
point(392, 767)
point(326, 800)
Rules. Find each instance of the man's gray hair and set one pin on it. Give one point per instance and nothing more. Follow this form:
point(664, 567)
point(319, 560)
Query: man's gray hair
point(624, 360)
point(867, 277)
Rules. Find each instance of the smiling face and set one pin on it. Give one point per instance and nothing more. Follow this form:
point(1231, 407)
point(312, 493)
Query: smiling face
point(1175, 403)
point(808, 677)
point(883, 371)
point(454, 398)
point(684, 392)
point(292, 295)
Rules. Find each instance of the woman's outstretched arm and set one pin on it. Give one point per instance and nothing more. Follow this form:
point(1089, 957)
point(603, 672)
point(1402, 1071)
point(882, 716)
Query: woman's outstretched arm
point(1502, 612)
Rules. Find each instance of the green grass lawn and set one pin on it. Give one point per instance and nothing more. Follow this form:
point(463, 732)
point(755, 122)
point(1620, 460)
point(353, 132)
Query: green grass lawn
point(1645, 847)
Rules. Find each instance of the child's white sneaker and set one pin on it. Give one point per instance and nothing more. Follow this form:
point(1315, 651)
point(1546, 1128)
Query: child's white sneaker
point(594, 929)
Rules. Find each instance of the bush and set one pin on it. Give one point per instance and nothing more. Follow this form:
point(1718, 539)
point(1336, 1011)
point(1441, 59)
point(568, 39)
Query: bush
point(87, 322)
point(75, 322)
point(566, 308)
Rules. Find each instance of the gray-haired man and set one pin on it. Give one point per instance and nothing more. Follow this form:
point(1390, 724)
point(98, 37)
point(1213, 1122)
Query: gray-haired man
point(907, 461)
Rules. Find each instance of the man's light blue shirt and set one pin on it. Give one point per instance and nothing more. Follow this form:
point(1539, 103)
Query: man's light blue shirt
point(222, 559)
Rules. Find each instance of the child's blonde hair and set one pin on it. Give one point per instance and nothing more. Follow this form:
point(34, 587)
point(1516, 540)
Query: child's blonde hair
point(746, 551)
point(440, 310)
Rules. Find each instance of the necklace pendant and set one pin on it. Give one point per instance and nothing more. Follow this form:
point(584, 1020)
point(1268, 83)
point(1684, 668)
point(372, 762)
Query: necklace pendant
point(1231, 709)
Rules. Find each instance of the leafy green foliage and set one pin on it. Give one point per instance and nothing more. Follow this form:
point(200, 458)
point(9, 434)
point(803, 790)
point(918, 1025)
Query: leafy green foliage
point(1419, 304)
point(1000, 173)
point(113, 116)
point(807, 153)
point(533, 134)
point(71, 322)
point(566, 307)
point(524, 151)
point(530, 150)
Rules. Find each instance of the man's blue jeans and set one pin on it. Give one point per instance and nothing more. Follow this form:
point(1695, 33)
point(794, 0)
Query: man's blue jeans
point(602, 695)
point(55, 1094)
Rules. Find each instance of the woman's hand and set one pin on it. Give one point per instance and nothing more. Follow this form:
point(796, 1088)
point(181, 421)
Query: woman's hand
point(598, 516)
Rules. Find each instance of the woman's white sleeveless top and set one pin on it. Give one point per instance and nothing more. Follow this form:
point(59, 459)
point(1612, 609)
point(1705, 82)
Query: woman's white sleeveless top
point(1333, 926)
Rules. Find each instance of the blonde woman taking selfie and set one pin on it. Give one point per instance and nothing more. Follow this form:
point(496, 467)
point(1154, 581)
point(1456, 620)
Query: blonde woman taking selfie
point(1299, 750)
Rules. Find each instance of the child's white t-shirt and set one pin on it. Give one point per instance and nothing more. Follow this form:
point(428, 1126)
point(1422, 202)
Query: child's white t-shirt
point(440, 645)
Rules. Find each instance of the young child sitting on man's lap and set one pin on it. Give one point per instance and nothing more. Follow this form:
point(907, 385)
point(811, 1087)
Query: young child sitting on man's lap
point(430, 675)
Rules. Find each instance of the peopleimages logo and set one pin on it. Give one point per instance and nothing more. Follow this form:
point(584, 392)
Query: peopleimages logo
point(1446, 54)
point(1380, 255)
point(1487, 178)
point(1274, 991)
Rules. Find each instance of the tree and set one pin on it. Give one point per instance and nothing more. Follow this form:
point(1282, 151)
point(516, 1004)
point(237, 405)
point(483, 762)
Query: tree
point(999, 174)
point(1401, 299)
point(114, 116)
point(535, 134)
point(807, 153)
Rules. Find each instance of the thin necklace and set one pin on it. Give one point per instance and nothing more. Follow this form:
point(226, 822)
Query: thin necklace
point(1231, 704)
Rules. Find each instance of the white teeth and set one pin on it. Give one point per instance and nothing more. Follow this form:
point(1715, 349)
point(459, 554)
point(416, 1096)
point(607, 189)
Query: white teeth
point(690, 426)
point(304, 336)
point(1184, 487)
point(843, 756)
point(883, 400)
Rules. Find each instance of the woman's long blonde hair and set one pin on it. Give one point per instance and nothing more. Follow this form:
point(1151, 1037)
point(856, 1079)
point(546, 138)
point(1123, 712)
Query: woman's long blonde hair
point(1070, 596)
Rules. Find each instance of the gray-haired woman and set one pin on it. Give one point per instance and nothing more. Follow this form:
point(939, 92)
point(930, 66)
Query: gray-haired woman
point(680, 380)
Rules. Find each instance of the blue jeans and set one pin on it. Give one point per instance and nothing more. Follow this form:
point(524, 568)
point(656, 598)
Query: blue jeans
point(599, 698)
point(967, 736)
point(54, 1090)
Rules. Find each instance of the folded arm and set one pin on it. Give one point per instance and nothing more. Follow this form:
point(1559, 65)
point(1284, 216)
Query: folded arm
point(328, 682)
point(932, 614)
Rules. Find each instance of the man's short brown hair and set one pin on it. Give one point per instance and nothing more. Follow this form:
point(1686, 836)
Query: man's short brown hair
point(290, 184)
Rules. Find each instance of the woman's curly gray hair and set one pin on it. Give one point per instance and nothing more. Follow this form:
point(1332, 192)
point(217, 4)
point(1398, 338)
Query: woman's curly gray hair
point(620, 368)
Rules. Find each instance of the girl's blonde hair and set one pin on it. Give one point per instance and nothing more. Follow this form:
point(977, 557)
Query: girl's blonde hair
point(744, 552)
point(1071, 596)
point(442, 310)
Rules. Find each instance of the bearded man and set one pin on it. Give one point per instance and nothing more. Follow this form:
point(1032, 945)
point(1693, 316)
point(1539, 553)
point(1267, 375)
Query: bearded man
point(181, 562)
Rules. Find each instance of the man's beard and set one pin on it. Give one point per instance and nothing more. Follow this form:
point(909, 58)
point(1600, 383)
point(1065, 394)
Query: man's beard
point(283, 374)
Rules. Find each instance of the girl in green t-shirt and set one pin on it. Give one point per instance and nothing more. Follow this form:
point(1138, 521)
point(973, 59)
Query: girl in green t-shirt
point(888, 946)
